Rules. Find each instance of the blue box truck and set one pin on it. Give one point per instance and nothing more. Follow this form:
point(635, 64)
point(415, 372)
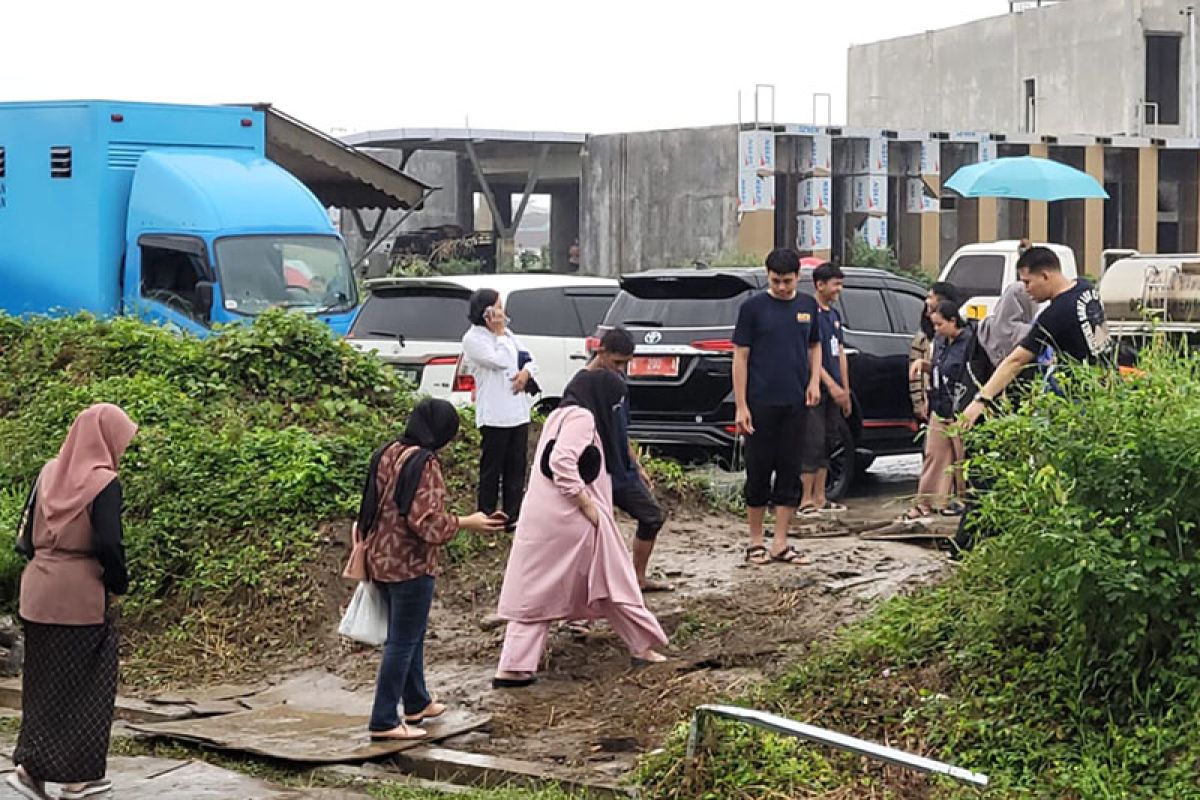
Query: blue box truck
point(170, 213)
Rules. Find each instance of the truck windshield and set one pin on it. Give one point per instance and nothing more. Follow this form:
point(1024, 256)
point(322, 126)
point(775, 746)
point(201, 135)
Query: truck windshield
point(311, 273)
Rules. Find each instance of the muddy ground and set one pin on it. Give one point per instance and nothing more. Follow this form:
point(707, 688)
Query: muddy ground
point(731, 624)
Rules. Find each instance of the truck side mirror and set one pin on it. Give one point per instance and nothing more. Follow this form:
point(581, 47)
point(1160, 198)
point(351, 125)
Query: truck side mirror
point(204, 298)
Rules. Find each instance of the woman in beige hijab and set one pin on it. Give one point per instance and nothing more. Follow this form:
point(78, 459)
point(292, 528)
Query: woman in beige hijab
point(78, 564)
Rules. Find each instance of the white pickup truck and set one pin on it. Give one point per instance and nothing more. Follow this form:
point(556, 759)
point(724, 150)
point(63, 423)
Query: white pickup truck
point(982, 271)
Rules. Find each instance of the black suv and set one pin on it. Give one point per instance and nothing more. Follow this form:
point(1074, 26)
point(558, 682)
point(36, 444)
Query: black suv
point(680, 381)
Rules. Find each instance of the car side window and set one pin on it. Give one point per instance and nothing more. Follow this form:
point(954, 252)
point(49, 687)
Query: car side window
point(864, 310)
point(905, 309)
point(542, 312)
point(591, 309)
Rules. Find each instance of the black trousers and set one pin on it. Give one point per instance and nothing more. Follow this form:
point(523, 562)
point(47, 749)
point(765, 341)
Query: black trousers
point(502, 464)
point(635, 499)
point(773, 456)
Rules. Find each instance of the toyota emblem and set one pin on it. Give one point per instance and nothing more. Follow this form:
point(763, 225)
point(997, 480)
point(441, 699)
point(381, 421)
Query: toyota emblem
point(653, 337)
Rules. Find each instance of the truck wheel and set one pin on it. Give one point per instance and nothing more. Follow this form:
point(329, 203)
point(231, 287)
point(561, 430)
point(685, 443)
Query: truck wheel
point(841, 463)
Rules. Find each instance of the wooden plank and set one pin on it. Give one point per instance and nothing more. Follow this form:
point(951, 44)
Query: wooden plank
point(288, 733)
point(127, 708)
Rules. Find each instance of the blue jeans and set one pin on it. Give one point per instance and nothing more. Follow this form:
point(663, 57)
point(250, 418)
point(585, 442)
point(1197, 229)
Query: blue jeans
point(402, 672)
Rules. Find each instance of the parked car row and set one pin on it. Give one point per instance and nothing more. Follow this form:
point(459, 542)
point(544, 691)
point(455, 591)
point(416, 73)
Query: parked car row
point(680, 380)
point(417, 325)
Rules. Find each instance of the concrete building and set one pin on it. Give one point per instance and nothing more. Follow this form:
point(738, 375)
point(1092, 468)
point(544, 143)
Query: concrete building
point(446, 206)
point(661, 199)
point(1097, 67)
point(1107, 86)
point(499, 166)
point(671, 198)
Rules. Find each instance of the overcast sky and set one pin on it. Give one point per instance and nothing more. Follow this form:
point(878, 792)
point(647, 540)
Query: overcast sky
point(611, 65)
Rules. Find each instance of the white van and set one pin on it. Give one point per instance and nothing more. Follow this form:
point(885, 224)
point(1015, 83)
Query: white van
point(417, 325)
point(982, 272)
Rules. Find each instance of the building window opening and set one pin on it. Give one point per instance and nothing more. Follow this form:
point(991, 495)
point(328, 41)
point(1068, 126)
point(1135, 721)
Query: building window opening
point(1162, 79)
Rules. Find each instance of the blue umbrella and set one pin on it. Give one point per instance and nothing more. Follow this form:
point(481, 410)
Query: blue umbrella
point(1025, 178)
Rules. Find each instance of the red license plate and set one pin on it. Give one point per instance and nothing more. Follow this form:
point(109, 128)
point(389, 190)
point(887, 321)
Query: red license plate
point(654, 367)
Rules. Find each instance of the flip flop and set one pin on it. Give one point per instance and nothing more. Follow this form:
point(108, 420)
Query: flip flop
point(831, 507)
point(808, 511)
point(579, 628)
point(916, 516)
point(401, 733)
point(93, 789)
point(758, 555)
point(789, 556)
point(26, 786)
point(656, 586)
point(431, 711)
point(640, 663)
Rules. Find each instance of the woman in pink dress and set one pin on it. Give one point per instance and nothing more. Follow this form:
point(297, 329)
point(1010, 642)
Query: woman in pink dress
point(568, 559)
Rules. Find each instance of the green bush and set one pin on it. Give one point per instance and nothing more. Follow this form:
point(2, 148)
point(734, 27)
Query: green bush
point(859, 253)
point(250, 442)
point(1062, 658)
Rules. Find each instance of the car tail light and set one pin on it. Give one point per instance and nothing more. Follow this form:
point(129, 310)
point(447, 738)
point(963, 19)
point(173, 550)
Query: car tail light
point(592, 344)
point(442, 361)
point(731, 429)
point(714, 345)
point(463, 382)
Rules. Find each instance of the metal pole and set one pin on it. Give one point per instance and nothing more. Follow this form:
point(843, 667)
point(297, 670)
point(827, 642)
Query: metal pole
point(787, 727)
point(1191, 12)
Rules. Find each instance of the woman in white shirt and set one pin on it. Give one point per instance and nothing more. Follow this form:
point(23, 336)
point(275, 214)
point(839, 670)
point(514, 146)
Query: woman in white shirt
point(502, 370)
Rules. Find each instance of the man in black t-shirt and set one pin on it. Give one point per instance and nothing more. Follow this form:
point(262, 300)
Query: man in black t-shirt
point(776, 375)
point(821, 426)
point(1072, 327)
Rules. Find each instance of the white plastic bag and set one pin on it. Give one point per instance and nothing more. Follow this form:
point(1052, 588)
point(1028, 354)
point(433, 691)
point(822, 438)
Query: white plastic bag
point(366, 618)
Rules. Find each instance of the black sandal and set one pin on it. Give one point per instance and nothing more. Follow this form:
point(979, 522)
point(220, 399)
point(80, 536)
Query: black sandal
point(789, 556)
point(758, 555)
point(513, 683)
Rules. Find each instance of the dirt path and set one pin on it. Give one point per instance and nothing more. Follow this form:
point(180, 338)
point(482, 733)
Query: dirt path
point(730, 624)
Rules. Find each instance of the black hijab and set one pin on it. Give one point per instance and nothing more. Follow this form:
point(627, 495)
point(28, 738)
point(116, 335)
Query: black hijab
point(600, 391)
point(431, 426)
point(927, 324)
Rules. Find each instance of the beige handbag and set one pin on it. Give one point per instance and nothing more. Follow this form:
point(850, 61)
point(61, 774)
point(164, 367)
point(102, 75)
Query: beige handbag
point(356, 566)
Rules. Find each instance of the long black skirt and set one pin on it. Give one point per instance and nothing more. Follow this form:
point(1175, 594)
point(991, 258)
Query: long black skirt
point(69, 686)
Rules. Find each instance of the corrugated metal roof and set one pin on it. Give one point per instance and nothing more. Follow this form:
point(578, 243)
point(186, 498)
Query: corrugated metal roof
point(338, 174)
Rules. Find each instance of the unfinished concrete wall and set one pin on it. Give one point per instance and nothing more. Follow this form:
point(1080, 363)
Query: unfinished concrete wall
point(1087, 58)
point(658, 199)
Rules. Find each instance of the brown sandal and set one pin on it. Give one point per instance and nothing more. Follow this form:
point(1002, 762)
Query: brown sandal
point(758, 555)
point(789, 556)
point(916, 515)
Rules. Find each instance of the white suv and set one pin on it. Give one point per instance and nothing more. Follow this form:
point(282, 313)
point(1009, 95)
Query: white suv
point(417, 325)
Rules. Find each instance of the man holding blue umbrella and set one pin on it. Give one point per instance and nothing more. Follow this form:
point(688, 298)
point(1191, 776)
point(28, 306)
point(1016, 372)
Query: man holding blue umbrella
point(1071, 327)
